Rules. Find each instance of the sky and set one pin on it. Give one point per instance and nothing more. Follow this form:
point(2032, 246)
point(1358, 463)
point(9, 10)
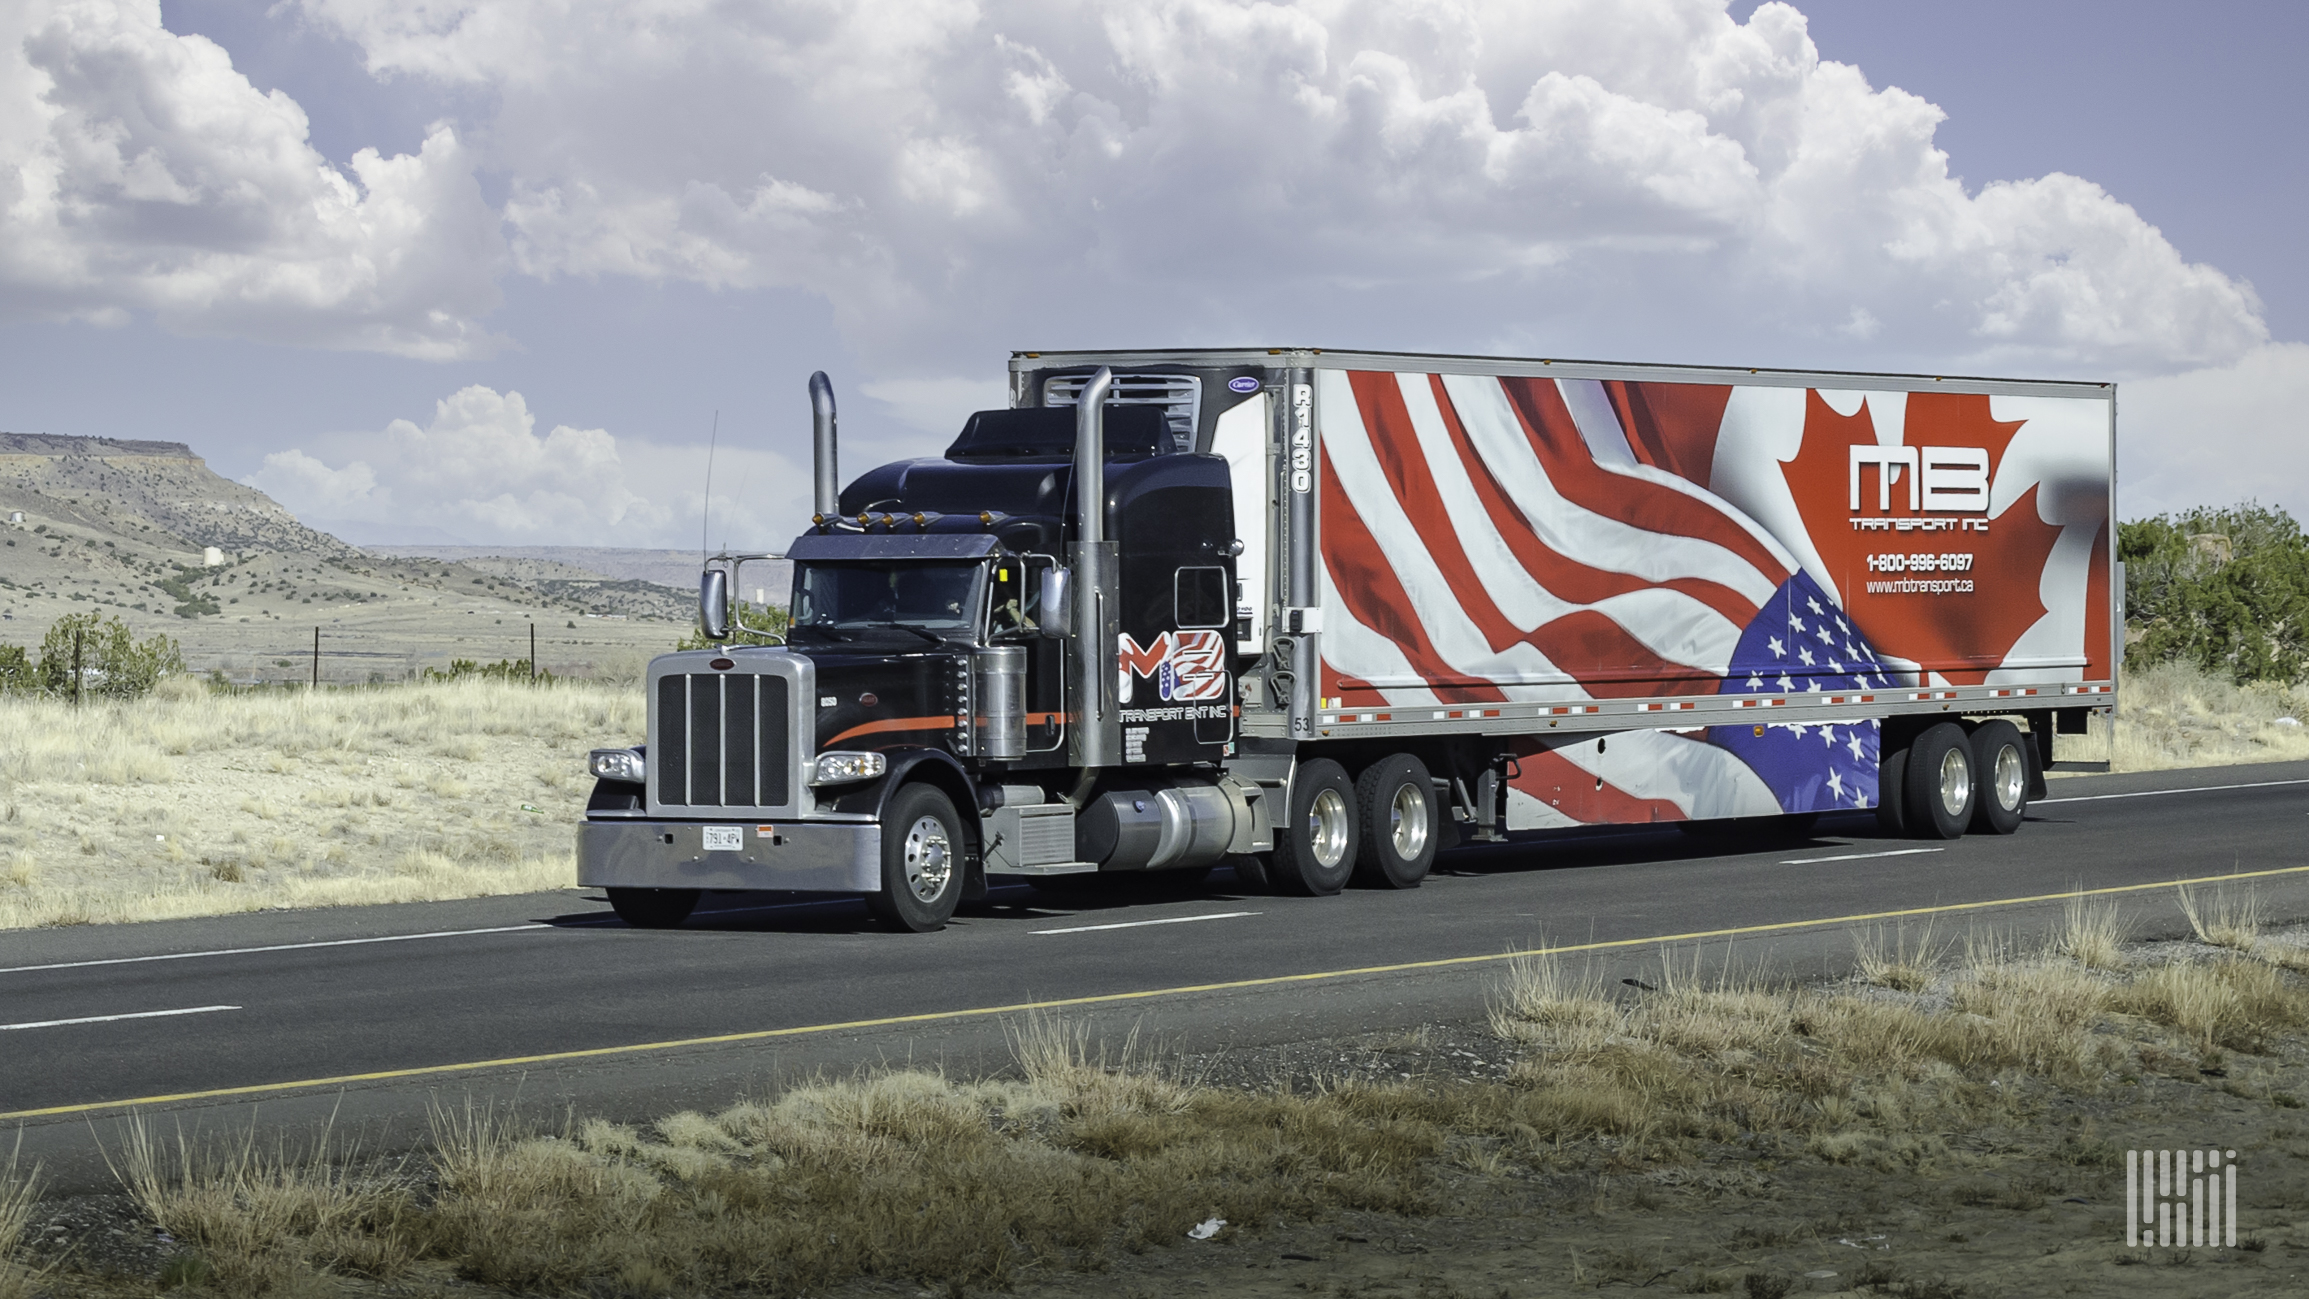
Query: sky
point(501, 271)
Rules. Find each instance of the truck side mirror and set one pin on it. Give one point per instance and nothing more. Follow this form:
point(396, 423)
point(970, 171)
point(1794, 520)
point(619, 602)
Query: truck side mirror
point(714, 604)
point(1057, 612)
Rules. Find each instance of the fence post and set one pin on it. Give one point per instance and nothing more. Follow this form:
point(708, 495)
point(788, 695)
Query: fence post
point(533, 651)
point(77, 677)
point(316, 658)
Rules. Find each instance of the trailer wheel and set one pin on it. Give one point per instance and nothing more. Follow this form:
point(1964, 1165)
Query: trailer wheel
point(1400, 824)
point(1940, 783)
point(652, 908)
point(1315, 848)
point(922, 847)
point(2000, 773)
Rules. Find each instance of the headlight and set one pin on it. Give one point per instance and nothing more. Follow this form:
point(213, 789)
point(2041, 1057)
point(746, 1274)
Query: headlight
point(839, 768)
point(617, 764)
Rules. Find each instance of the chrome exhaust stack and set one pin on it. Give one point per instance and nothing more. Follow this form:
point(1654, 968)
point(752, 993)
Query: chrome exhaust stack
point(829, 479)
point(1098, 726)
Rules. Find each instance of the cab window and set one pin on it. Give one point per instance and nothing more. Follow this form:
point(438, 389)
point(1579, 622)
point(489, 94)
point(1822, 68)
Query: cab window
point(1201, 598)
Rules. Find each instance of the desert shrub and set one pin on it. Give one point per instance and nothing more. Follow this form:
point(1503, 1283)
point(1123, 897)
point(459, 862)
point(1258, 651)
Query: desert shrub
point(2224, 589)
point(749, 625)
point(501, 670)
point(16, 672)
point(113, 663)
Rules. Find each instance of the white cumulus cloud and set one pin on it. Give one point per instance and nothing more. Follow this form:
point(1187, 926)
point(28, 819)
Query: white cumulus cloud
point(1639, 179)
point(480, 472)
point(139, 172)
point(1619, 177)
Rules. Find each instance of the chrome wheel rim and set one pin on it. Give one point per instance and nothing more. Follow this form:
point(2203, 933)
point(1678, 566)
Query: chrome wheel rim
point(1407, 822)
point(929, 858)
point(1955, 782)
point(1327, 828)
point(2011, 777)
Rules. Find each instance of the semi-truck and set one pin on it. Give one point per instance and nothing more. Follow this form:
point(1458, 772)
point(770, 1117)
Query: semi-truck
point(1319, 615)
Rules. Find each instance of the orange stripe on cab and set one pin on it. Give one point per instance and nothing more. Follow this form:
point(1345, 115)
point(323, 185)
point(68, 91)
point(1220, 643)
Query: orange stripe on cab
point(895, 724)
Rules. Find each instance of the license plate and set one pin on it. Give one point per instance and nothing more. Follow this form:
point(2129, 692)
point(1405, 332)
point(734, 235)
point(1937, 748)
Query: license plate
point(725, 838)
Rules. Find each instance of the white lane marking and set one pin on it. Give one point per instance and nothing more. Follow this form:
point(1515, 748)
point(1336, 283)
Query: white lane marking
point(1859, 856)
point(389, 938)
point(278, 947)
point(107, 1019)
point(2147, 793)
point(1134, 924)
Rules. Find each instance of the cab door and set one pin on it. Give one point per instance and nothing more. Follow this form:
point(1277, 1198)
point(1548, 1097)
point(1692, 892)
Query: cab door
point(1015, 617)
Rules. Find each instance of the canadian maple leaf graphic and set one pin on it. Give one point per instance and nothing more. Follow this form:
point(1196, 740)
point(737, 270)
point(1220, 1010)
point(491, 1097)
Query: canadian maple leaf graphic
point(1960, 635)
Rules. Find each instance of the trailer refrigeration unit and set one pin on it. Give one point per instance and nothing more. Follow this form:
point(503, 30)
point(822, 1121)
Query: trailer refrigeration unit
point(1320, 614)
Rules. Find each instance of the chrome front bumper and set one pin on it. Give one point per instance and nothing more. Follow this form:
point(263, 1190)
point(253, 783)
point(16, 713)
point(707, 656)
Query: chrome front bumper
point(809, 857)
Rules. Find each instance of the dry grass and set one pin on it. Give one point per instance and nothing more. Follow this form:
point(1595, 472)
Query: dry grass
point(1869, 1073)
point(2093, 933)
point(188, 803)
point(265, 1221)
point(19, 1192)
point(2178, 716)
point(1899, 964)
point(911, 1177)
point(901, 1175)
point(2231, 920)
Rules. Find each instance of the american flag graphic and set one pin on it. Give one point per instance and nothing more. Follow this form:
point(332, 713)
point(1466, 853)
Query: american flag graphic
point(1539, 540)
point(1802, 643)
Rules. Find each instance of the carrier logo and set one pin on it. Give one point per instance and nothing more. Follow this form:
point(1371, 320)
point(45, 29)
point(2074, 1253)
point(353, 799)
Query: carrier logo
point(1941, 480)
point(1186, 665)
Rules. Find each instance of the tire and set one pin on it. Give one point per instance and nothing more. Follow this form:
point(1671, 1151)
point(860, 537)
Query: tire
point(1401, 824)
point(653, 908)
point(1939, 783)
point(1892, 792)
point(1315, 848)
point(922, 861)
point(2000, 778)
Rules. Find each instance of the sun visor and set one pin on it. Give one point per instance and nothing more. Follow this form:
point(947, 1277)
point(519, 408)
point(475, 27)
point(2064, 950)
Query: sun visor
point(817, 547)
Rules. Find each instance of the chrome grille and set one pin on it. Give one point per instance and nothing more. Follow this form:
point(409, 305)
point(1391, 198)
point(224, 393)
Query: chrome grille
point(723, 740)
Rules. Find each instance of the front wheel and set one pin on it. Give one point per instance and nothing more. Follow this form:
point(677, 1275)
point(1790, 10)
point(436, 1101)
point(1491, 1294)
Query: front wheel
point(1315, 848)
point(922, 849)
point(653, 908)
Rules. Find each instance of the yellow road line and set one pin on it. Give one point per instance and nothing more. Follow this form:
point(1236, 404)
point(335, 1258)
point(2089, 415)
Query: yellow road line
point(759, 1035)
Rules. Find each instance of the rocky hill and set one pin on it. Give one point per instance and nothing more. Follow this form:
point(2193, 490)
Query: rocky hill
point(160, 490)
point(145, 531)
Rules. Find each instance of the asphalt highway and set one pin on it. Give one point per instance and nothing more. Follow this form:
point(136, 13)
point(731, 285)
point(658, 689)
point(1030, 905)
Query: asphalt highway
point(371, 1013)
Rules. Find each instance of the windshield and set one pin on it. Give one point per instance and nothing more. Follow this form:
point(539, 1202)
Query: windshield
point(852, 595)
